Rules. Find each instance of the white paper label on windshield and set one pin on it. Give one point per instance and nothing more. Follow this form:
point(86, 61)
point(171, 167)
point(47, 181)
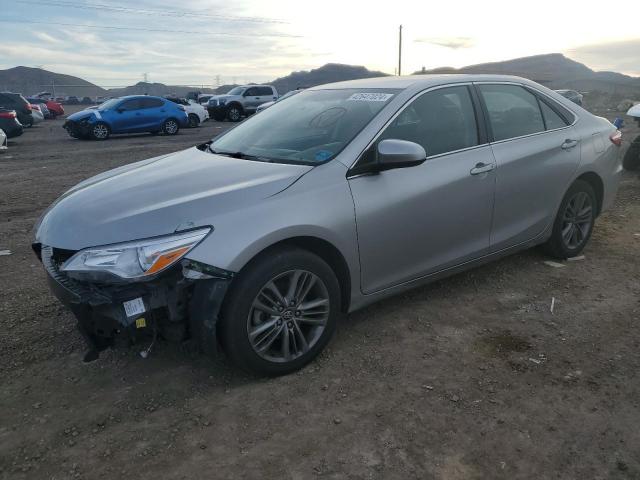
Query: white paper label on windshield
point(370, 97)
point(134, 307)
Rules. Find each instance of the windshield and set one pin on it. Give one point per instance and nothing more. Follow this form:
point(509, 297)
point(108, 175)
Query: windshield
point(309, 128)
point(236, 91)
point(109, 104)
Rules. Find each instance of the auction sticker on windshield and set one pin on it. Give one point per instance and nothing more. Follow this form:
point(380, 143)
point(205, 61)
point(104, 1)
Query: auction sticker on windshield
point(370, 97)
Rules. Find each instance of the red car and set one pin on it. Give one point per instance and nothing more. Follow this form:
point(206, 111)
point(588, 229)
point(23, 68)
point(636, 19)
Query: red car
point(54, 107)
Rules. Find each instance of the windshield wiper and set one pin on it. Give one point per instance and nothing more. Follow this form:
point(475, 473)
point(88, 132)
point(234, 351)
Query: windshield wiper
point(240, 155)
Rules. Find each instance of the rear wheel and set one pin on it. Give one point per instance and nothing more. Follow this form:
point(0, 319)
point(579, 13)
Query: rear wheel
point(194, 120)
point(100, 131)
point(574, 222)
point(281, 312)
point(170, 126)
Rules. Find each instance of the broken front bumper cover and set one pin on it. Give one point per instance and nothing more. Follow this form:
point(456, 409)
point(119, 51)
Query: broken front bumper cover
point(182, 303)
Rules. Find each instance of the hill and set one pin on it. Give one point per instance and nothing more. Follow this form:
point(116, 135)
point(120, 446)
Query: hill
point(28, 80)
point(555, 71)
point(329, 73)
point(158, 89)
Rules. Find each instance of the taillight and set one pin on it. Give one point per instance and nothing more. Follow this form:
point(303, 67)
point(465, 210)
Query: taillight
point(7, 114)
point(28, 107)
point(616, 138)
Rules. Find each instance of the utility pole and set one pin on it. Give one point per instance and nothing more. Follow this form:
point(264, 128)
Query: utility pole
point(400, 51)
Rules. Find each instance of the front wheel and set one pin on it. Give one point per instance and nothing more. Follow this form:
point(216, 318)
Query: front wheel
point(100, 131)
point(170, 126)
point(574, 221)
point(280, 312)
point(234, 113)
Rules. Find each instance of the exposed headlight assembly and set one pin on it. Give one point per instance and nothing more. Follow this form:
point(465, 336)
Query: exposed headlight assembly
point(135, 260)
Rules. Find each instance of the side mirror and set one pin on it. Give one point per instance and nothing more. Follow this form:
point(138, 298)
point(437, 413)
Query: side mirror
point(399, 154)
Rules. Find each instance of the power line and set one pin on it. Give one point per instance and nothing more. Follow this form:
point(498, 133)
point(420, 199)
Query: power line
point(145, 11)
point(141, 29)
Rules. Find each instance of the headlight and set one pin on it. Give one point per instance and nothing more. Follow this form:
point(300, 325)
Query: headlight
point(222, 101)
point(134, 260)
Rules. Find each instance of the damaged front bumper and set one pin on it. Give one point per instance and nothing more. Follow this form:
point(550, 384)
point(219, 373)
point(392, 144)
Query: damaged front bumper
point(181, 304)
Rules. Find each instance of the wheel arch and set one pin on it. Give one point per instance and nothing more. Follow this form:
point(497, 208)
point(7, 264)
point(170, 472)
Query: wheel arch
point(323, 249)
point(597, 184)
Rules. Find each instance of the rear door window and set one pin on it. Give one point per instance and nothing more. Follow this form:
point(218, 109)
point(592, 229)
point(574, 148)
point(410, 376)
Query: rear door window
point(513, 111)
point(151, 103)
point(264, 91)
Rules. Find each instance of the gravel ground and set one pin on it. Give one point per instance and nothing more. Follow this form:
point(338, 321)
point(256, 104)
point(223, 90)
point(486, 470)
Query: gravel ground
point(472, 377)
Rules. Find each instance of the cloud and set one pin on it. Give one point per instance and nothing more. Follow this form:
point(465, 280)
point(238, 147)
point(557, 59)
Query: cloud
point(449, 42)
point(620, 56)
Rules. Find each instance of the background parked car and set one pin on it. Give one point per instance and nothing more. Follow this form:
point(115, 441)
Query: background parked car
point(197, 113)
point(240, 101)
point(286, 95)
point(37, 114)
point(131, 114)
point(71, 100)
point(575, 97)
point(9, 123)
point(44, 109)
point(204, 99)
point(3, 140)
point(55, 108)
point(15, 101)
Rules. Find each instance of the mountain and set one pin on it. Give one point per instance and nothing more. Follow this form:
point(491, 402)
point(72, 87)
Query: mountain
point(329, 73)
point(158, 89)
point(29, 81)
point(555, 71)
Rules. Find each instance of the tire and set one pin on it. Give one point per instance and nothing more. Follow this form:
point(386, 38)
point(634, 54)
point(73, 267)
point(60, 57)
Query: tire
point(170, 126)
point(100, 131)
point(574, 221)
point(194, 120)
point(631, 160)
point(305, 334)
point(234, 112)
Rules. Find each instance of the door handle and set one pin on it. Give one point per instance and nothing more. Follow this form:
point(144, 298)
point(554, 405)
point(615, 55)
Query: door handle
point(568, 143)
point(482, 167)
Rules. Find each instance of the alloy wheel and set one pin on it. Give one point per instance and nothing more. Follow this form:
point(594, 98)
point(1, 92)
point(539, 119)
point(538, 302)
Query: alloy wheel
point(100, 131)
point(234, 114)
point(170, 127)
point(577, 219)
point(288, 316)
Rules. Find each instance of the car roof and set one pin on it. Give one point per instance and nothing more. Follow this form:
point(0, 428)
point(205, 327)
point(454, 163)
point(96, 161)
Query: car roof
point(418, 81)
point(127, 97)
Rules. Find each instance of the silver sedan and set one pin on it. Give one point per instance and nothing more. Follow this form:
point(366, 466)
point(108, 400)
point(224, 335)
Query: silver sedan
point(343, 195)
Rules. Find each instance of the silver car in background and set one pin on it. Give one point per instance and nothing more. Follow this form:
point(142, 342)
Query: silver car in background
point(340, 196)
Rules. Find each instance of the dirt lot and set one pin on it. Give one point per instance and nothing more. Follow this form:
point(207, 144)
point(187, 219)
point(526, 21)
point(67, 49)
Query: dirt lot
point(469, 378)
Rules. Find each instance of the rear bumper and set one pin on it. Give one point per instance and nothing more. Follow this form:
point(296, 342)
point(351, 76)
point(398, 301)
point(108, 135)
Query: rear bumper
point(13, 131)
point(175, 307)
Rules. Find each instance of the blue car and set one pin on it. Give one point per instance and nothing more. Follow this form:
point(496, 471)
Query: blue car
point(131, 114)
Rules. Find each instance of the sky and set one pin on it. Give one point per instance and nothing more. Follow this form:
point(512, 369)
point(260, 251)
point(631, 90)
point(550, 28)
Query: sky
point(203, 42)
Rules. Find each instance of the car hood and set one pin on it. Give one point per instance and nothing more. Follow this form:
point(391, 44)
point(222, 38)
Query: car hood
point(222, 97)
point(81, 115)
point(159, 196)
